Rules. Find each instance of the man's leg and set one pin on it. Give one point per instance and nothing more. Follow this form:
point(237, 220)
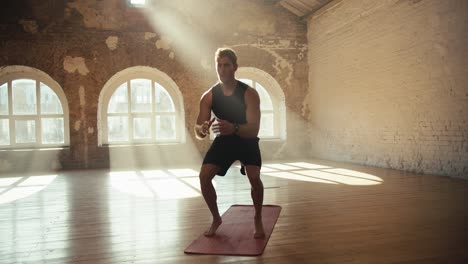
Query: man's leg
point(253, 173)
point(207, 173)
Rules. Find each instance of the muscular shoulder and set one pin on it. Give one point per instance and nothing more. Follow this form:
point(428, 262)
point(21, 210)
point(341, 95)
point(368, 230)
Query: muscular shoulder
point(207, 96)
point(251, 96)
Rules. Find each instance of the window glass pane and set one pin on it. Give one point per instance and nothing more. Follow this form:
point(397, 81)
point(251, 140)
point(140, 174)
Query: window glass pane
point(4, 99)
point(52, 131)
point(265, 100)
point(247, 81)
point(119, 100)
point(25, 131)
point(141, 95)
point(50, 103)
point(266, 125)
point(163, 99)
point(165, 127)
point(117, 128)
point(4, 132)
point(138, 2)
point(142, 128)
point(24, 97)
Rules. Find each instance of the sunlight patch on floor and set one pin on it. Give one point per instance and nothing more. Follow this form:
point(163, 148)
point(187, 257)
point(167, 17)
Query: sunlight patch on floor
point(319, 173)
point(184, 183)
point(160, 184)
point(294, 176)
point(14, 188)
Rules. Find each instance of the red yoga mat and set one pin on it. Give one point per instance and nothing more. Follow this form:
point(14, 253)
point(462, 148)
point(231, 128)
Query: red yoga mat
point(235, 235)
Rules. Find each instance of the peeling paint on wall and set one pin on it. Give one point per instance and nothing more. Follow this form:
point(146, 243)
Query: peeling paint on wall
point(29, 26)
point(149, 35)
point(164, 43)
point(302, 50)
point(90, 130)
point(280, 62)
point(99, 14)
point(81, 92)
point(284, 64)
point(305, 110)
point(112, 42)
point(72, 64)
point(77, 125)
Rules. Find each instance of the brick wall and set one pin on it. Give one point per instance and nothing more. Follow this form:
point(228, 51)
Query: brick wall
point(388, 84)
point(177, 39)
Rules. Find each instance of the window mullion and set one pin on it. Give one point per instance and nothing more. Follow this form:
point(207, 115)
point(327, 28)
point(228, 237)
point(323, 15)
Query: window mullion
point(153, 109)
point(28, 119)
point(129, 109)
point(10, 112)
point(152, 114)
point(38, 115)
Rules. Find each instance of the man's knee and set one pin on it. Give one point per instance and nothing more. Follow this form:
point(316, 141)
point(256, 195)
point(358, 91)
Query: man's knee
point(253, 173)
point(207, 173)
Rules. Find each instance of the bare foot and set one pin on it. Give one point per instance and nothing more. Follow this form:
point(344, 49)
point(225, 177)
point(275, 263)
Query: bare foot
point(214, 226)
point(259, 232)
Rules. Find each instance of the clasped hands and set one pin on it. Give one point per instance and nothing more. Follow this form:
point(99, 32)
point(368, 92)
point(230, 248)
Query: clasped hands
point(221, 127)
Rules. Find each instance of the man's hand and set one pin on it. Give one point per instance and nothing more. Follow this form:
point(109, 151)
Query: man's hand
point(223, 127)
point(204, 129)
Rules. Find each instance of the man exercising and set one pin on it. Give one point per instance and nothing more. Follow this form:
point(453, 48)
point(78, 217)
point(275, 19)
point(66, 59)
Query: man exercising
point(236, 107)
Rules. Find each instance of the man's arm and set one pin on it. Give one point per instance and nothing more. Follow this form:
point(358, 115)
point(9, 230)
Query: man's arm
point(252, 102)
point(202, 127)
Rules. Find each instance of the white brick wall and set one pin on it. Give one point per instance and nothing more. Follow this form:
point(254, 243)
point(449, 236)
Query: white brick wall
point(388, 84)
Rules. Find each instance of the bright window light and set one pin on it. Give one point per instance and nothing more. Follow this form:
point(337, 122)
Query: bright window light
point(33, 110)
point(138, 2)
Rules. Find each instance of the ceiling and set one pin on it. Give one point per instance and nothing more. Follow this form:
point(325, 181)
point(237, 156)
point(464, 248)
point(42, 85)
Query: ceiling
point(302, 8)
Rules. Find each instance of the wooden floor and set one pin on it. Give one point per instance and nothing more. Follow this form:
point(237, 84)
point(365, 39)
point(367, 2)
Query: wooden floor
point(331, 213)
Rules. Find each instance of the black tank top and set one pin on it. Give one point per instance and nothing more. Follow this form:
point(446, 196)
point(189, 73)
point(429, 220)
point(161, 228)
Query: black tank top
point(230, 108)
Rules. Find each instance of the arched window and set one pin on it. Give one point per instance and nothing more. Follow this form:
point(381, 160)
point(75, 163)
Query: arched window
point(140, 105)
point(272, 103)
point(33, 109)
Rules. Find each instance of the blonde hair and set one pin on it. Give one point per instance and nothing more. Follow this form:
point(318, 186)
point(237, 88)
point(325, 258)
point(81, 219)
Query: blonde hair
point(226, 52)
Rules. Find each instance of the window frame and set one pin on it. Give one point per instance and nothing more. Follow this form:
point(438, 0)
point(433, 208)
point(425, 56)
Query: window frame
point(15, 72)
point(276, 95)
point(125, 76)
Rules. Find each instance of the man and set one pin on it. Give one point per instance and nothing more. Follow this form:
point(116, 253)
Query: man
point(237, 110)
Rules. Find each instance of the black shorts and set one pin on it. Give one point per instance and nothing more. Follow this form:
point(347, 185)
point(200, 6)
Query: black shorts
point(227, 149)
